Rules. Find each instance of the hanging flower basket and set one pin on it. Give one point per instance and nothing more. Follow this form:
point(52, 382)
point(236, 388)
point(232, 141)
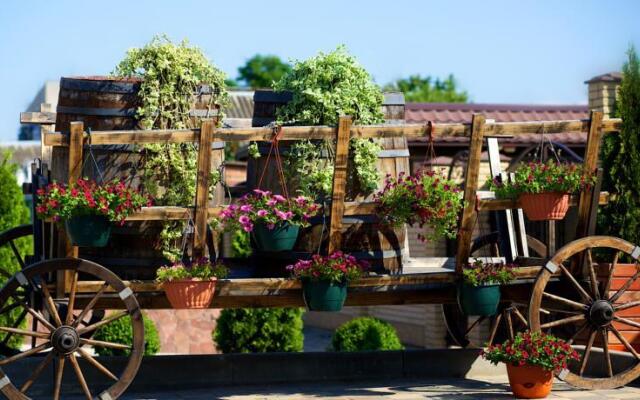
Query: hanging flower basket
point(545, 206)
point(529, 381)
point(324, 295)
point(480, 300)
point(281, 237)
point(88, 230)
point(191, 285)
point(325, 279)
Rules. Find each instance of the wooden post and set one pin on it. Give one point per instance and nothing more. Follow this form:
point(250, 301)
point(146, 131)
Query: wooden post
point(202, 188)
point(590, 165)
point(45, 151)
point(339, 183)
point(469, 213)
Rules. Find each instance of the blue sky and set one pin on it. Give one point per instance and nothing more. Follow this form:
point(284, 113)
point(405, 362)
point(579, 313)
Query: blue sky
point(500, 51)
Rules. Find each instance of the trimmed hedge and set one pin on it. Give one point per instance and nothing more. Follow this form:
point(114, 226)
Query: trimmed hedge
point(259, 330)
point(365, 334)
point(121, 331)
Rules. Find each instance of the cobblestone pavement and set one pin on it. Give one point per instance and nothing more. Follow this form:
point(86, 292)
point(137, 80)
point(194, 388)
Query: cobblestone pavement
point(490, 388)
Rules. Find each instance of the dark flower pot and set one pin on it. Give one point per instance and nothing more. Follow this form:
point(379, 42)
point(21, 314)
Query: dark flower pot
point(88, 230)
point(479, 300)
point(323, 295)
point(281, 238)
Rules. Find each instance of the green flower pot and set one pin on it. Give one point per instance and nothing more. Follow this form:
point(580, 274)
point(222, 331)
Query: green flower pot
point(281, 238)
point(323, 295)
point(479, 300)
point(88, 230)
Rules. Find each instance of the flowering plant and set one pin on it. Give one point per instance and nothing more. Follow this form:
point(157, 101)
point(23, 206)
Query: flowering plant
point(263, 207)
point(337, 267)
point(425, 198)
point(113, 200)
point(479, 273)
point(201, 269)
point(538, 177)
point(533, 348)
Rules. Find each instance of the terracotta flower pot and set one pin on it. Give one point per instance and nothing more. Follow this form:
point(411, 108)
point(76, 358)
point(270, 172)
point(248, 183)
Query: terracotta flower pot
point(189, 293)
point(545, 206)
point(529, 382)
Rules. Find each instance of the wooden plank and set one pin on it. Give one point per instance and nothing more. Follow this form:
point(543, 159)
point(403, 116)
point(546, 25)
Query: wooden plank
point(339, 184)
point(202, 188)
point(503, 204)
point(590, 164)
point(42, 117)
point(468, 220)
point(45, 129)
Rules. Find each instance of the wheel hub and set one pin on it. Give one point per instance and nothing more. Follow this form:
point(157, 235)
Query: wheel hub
point(601, 313)
point(65, 340)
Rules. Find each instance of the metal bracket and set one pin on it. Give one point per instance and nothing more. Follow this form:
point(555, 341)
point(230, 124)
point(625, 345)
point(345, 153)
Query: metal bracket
point(563, 374)
point(126, 292)
point(22, 280)
point(4, 381)
point(636, 252)
point(551, 267)
point(105, 396)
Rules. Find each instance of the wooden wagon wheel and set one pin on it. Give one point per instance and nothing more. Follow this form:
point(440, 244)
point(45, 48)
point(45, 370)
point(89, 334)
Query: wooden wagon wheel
point(591, 312)
point(60, 341)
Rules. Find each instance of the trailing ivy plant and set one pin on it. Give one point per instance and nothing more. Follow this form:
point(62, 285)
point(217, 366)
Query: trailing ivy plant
point(325, 87)
point(170, 77)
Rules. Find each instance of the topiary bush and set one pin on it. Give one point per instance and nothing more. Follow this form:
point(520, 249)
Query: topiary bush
point(121, 331)
point(364, 334)
point(13, 212)
point(259, 330)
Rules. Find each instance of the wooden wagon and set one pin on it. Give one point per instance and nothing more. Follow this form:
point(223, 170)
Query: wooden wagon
point(566, 292)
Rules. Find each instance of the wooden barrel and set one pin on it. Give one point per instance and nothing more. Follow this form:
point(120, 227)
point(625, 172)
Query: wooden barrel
point(363, 235)
point(107, 103)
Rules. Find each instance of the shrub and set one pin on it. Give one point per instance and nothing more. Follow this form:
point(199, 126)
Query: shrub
point(365, 333)
point(259, 330)
point(121, 331)
point(13, 212)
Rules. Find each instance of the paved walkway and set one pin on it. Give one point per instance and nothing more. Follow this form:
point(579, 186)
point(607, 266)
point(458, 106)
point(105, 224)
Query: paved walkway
point(491, 388)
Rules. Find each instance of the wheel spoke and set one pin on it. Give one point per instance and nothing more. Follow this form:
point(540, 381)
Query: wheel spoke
point(58, 378)
point(72, 298)
point(563, 321)
point(575, 283)
point(24, 332)
point(605, 348)
point(476, 322)
point(51, 306)
point(35, 314)
point(90, 305)
point(624, 287)
point(592, 275)
point(494, 328)
point(567, 302)
point(100, 343)
point(578, 332)
point(96, 363)
point(627, 322)
point(607, 286)
point(24, 354)
point(36, 372)
point(509, 323)
point(520, 317)
point(17, 254)
point(16, 324)
point(627, 305)
point(119, 315)
point(83, 382)
point(587, 352)
point(10, 307)
point(624, 341)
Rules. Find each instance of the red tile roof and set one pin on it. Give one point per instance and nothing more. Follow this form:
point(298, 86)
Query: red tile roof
point(459, 113)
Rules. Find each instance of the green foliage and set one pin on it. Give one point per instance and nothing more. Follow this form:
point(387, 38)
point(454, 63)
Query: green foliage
point(335, 268)
point(479, 273)
point(325, 87)
point(259, 330)
point(13, 212)
point(170, 76)
point(121, 331)
point(418, 89)
point(241, 243)
point(201, 269)
point(365, 334)
point(260, 71)
point(621, 160)
point(538, 177)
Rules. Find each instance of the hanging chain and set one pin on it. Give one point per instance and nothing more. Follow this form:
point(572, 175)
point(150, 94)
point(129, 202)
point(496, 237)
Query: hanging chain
point(93, 157)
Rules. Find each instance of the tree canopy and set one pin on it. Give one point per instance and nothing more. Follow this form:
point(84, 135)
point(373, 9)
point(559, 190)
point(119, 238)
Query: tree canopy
point(419, 89)
point(260, 71)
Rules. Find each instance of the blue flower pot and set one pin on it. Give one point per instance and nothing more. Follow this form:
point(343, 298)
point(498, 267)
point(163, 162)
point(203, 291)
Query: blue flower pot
point(479, 300)
point(281, 238)
point(88, 230)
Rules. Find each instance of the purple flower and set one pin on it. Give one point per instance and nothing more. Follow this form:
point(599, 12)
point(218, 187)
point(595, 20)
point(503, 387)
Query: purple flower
point(247, 227)
point(262, 213)
point(301, 200)
point(270, 226)
point(272, 202)
point(284, 215)
point(279, 198)
point(246, 208)
point(244, 220)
